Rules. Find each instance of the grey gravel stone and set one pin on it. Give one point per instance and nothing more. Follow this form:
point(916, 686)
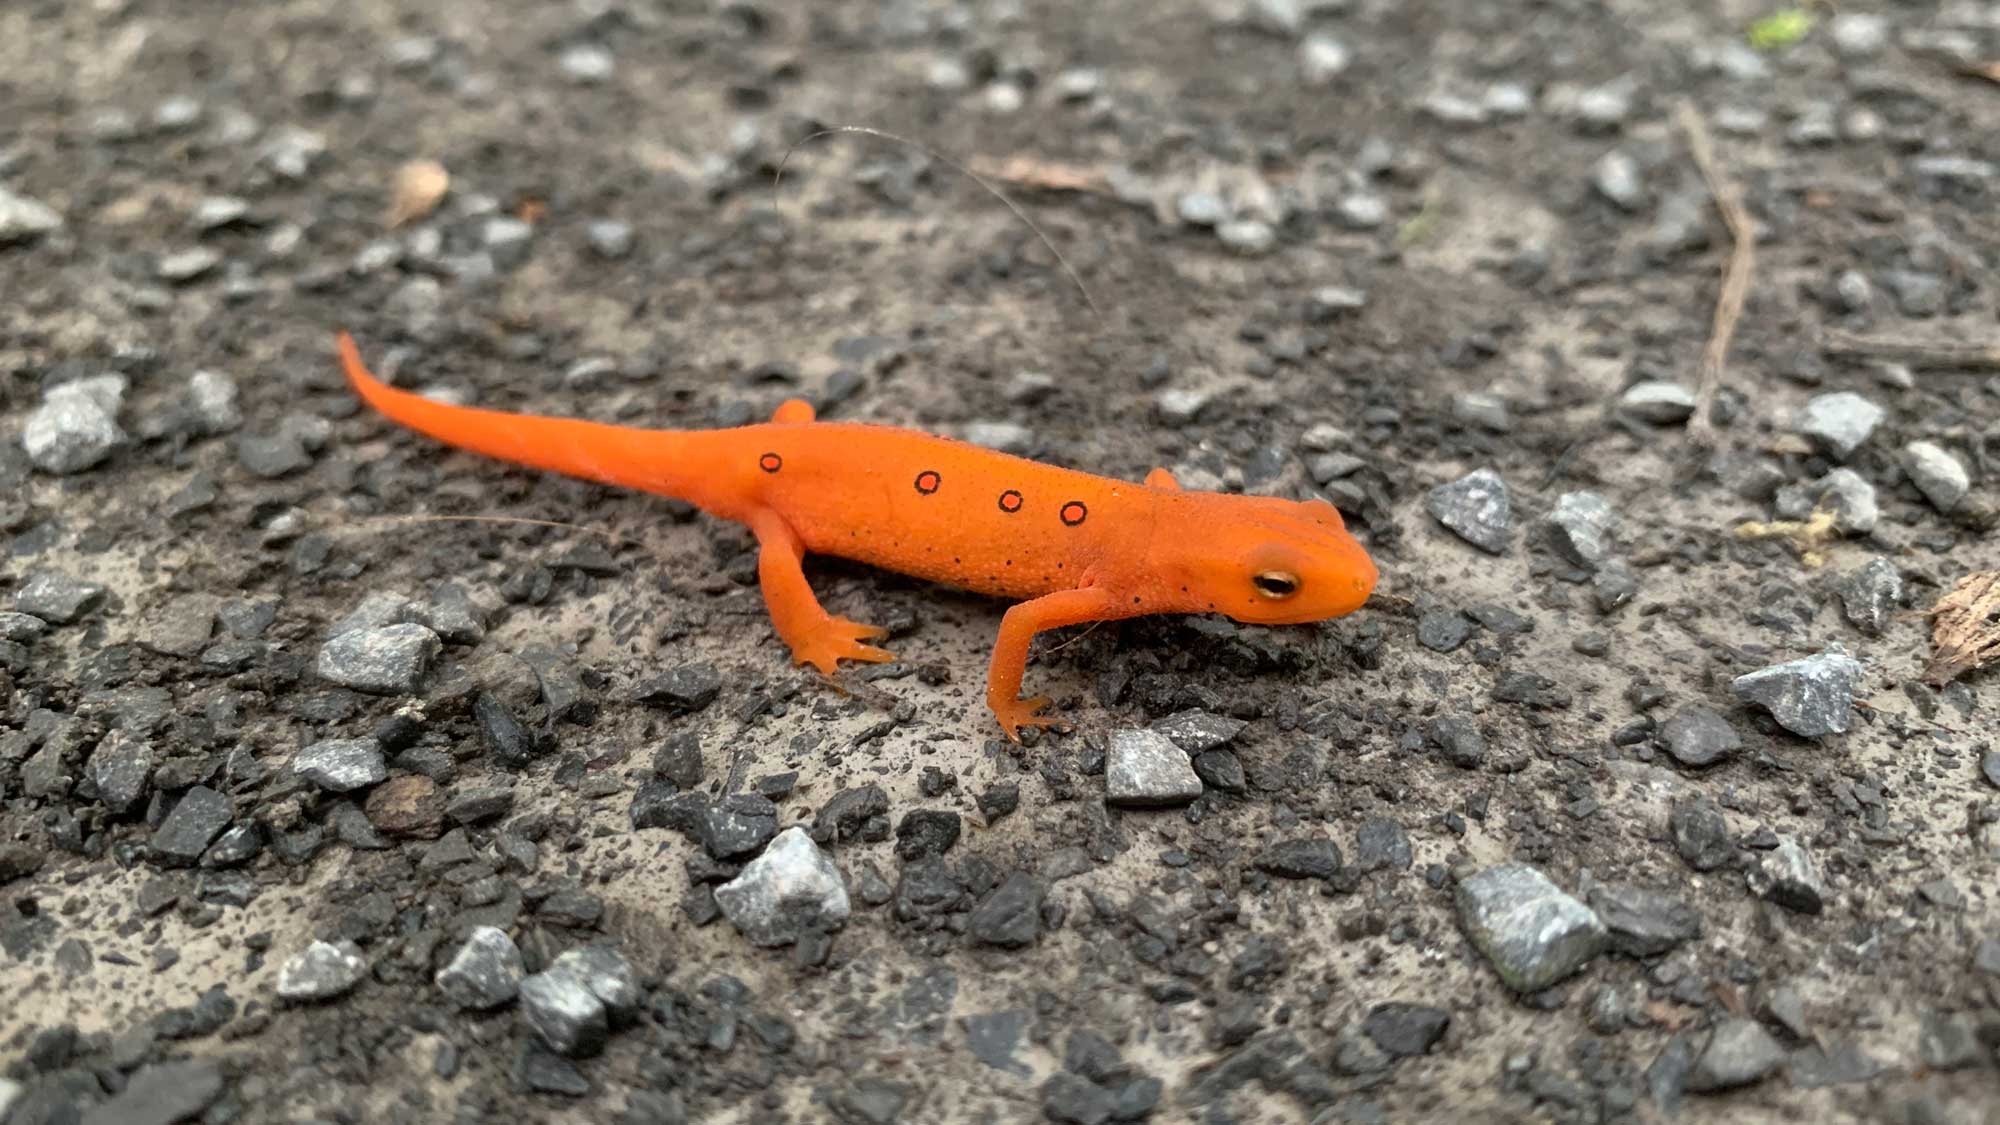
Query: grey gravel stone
point(1838, 423)
point(1303, 858)
point(1658, 402)
point(1919, 295)
point(57, 598)
point(791, 889)
point(610, 978)
point(198, 818)
point(322, 971)
point(1617, 178)
point(1201, 209)
point(1250, 237)
point(1641, 922)
point(156, 1094)
point(211, 403)
point(1580, 527)
point(122, 767)
point(1145, 767)
point(1947, 1042)
point(1788, 876)
point(1852, 292)
point(559, 1007)
point(386, 660)
point(1870, 594)
point(21, 628)
point(1006, 437)
point(507, 239)
point(1859, 34)
point(485, 972)
point(1533, 932)
point(1843, 493)
point(1697, 736)
point(342, 765)
point(183, 266)
point(76, 425)
point(1477, 508)
point(1361, 211)
point(23, 219)
point(1812, 697)
point(610, 238)
point(217, 211)
point(1937, 474)
point(587, 64)
point(1739, 1052)
point(1196, 731)
point(1322, 58)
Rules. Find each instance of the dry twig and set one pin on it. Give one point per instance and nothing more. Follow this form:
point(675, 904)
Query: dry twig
point(1965, 628)
point(1916, 353)
point(1735, 276)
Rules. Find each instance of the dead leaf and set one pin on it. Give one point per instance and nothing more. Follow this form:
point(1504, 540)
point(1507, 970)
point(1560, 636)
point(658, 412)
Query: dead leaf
point(1987, 70)
point(531, 211)
point(420, 186)
point(1965, 628)
point(1808, 537)
point(1047, 175)
point(1670, 1016)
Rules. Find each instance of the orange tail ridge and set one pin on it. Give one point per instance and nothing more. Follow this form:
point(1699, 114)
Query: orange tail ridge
point(666, 462)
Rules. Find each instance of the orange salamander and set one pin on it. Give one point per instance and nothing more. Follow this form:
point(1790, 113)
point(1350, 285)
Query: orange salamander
point(1068, 547)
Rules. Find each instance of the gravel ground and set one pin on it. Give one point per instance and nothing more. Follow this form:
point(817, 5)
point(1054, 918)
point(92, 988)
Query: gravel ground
point(1603, 810)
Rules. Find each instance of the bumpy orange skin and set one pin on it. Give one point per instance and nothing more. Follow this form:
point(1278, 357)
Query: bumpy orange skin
point(1067, 546)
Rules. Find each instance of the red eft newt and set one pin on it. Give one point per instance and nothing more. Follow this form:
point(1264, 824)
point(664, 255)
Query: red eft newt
point(1067, 546)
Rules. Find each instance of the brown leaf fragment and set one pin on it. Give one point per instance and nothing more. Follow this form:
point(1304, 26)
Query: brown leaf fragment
point(1965, 628)
point(420, 186)
point(1987, 70)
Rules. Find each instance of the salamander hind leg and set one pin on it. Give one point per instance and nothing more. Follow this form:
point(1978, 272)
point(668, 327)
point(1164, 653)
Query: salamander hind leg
point(815, 636)
point(794, 410)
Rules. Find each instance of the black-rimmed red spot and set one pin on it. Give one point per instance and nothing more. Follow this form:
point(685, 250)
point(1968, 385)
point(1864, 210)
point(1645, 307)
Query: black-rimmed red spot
point(1010, 501)
point(1073, 513)
point(770, 462)
point(928, 481)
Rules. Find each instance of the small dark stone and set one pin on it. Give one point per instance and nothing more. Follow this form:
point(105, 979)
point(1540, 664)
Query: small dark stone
point(1221, 769)
point(1003, 799)
point(1301, 859)
point(1072, 1100)
point(1701, 834)
point(1406, 1030)
point(198, 818)
point(1442, 630)
point(1459, 738)
point(679, 760)
point(1381, 843)
point(547, 1073)
point(739, 825)
point(926, 832)
point(480, 803)
point(505, 736)
point(845, 813)
point(689, 687)
point(1643, 923)
point(871, 1101)
point(1010, 917)
point(1697, 736)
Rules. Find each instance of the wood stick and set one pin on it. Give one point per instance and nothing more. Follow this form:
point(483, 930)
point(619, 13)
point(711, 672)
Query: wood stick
point(1736, 274)
point(1916, 353)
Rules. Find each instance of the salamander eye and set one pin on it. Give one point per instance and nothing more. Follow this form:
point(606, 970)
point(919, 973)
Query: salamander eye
point(1276, 584)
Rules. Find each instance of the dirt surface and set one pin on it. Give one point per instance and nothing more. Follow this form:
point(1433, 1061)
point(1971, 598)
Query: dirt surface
point(1353, 249)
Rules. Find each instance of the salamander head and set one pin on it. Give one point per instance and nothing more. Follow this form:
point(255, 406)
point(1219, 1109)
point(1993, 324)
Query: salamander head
point(1264, 560)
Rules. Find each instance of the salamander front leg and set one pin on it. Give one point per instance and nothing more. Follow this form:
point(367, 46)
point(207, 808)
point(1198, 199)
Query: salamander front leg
point(816, 637)
point(1010, 652)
